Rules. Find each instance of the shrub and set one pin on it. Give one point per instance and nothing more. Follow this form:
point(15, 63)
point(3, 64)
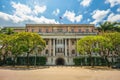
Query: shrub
point(39, 60)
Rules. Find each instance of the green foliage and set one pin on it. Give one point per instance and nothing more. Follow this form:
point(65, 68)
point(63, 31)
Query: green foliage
point(109, 27)
point(85, 61)
point(20, 43)
point(31, 41)
point(105, 45)
point(92, 44)
point(40, 60)
point(114, 40)
point(7, 31)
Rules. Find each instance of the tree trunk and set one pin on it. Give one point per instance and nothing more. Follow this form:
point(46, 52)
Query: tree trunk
point(108, 63)
point(14, 60)
point(4, 58)
point(91, 61)
point(28, 64)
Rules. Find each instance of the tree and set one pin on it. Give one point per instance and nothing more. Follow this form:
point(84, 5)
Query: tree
point(4, 42)
point(7, 31)
point(104, 46)
point(109, 26)
point(30, 42)
point(86, 44)
point(115, 42)
point(5, 36)
point(16, 47)
point(94, 44)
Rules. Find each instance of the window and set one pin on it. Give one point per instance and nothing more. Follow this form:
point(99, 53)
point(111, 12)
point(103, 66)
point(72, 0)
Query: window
point(46, 42)
point(60, 30)
point(73, 51)
point(59, 50)
point(72, 30)
point(51, 52)
point(46, 51)
point(73, 42)
point(79, 30)
point(68, 52)
point(92, 30)
point(51, 41)
point(39, 30)
point(87, 30)
point(32, 30)
point(47, 30)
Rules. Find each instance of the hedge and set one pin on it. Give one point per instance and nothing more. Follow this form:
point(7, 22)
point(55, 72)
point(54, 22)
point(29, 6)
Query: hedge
point(39, 60)
point(85, 61)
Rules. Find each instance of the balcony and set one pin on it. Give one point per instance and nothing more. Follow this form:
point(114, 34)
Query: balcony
point(68, 33)
point(59, 46)
point(59, 54)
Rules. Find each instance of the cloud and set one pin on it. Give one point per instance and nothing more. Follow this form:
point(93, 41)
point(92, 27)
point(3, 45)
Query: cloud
point(21, 9)
point(35, 19)
point(113, 17)
point(43, 20)
point(39, 9)
point(8, 17)
point(24, 13)
point(56, 12)
point(118, 10)
point(85, 3)
point(99, 15)
point(113, 2)
point(72, 17)
point(4, 16)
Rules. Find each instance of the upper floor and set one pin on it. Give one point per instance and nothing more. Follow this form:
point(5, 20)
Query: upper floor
point(61, 28)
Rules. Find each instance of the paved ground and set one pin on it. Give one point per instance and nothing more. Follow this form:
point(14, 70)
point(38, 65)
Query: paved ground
point(59, 73)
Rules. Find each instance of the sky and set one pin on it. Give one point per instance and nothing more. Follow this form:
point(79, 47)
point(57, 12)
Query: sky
point(22, 12)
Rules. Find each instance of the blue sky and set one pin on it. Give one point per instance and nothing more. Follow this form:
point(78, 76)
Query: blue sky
point(21, 12)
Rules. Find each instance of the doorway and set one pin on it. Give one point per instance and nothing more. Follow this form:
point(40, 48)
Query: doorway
point(60, 61)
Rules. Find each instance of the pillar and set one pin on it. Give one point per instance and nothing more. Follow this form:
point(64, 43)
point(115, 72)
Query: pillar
point(53, 47)
point(65, 47)
point(50, 44)
point(69, 47)
point(76, 49)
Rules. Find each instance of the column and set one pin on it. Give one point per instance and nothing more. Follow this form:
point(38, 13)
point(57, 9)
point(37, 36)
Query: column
point(50, 44)
point(69, 47)
point(65, 47)
point(53, 47)
point(76, 49)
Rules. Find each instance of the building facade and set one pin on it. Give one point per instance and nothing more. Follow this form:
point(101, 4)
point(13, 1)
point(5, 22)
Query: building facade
point(61, 40)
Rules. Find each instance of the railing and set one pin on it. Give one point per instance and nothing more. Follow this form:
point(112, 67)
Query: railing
point(69, 33)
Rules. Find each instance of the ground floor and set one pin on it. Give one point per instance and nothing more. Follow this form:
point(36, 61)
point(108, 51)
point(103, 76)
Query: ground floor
point(60, 60)
point(59, 73)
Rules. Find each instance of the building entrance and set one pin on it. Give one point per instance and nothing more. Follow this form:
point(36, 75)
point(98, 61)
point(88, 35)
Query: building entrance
point(60, 61)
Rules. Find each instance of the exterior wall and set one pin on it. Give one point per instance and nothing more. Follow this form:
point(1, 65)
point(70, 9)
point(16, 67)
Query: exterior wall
point(16, 29)
point(19, 30)
point(55, 27)
point(61, 40)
